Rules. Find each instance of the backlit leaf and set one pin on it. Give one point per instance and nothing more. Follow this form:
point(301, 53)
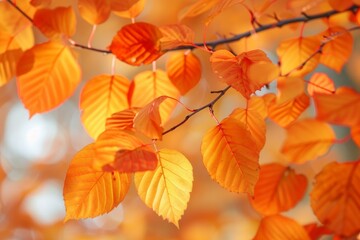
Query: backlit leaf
point(254, 122)
point(122, 120)
point(47, 75)
point(335, 198)
point(149, 85)
point(279, 189)
point(199, 7)
point(320, 83)
point(339, 108)
point(89, 192)
point(294, 53)
point(231, 156)
point(257, 104)
point(355, 134)
point(94, 11)
point(280, 227)
point(184, 71)
point(246, 72)
point(137, 43)
point(286, 113)
point(289, 88)
point(220, 6)
point(340, 5)
point(56, 22)
point(102, 96)
point(167, 189)
point(176, 35)
point(338, 47)
point(127, 8)
point(307, 140)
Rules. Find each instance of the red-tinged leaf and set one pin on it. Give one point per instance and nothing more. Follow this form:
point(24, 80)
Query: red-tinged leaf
point(286, 113)
point(246, 72)
point(339, 108)
point(94, 11)
point(294, 53)
point(320, 83)
point(257, 104)
point(338, 47)
point(340, 5)
point(184, 71)
point(142, 158)
point(315, 231)
point(122, 120)
point(176, 35)
point(56, 22)
point(199, 7)
point(231, 156)
point(102, 96)
point(137, 43)
point(47, 75)
point(335, 198)
point(127, 8)
point(355, 134)
point(289, 88)
point(167, 189)
point(88, 192)
point(307, 140)
point(149, 85)
point(220, 6)
point(280, 227)
point(254, 122)
point(279, 189)
point(109, 143)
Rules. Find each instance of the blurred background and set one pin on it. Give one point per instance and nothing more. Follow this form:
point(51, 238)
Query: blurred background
point(35, 153)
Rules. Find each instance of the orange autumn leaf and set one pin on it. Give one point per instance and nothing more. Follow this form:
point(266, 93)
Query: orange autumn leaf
point(231, 156)
point(122, 120)
point(307, 139)
point(338, 47)
point(286, 113)
point(257, 104)
point(167, 188)
point(94, 12)
point(335, 198)
point(339, 108)
point(280, 227)
point(102, 96)
point(184, 71)
point(176, 35)
point(295, 52)
point(315, 231)
point(320, 83)
point(109, 143)
point(254, 122)
point(56, 22)
point(289, 88)
point(199, 7)
point(355, 134)
point(246, 72)
point(220, 6)
point(89, 192)
point(127, 8)
point(40, 3)
point(279, 189)
point(340, 5)
point(149, 85)
point(47, 75)
point(137, 43)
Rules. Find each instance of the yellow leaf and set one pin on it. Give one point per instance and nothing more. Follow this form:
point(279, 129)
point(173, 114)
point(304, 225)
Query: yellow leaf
point(94, 12)
point(88, 192)
point(289, 88)
point(198, 8)
point(302, 144)
point(231, 156)
point(320, 83)
point(47, 75)
point(127, 8)
point(102, 96)
point(167, 189)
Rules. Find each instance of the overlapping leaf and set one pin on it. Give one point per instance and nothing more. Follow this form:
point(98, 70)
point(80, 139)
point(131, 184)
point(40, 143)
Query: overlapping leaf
point(199, 7)
point(307, 140)
point(339, 108)
point(47, 75)
point(220, 6)
point(231, 156)
point(122, 120)
point(127, 8)
point(56, 22)
point(246, 72)
point(184, 71)
point(89, 192)
point(294, 53)
point(340, 5)
point(320, 83)
point(94, 11)
point(279, 189)
point(137, 43)
point(149, 85)
point(102, 96)
point(355, 134)
point(257, 104)
point(316, 231)
point(289, 88)
point(176, 35)
point(286, 113)
point(335, 198)
point(167, 189)
point(280, 227)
